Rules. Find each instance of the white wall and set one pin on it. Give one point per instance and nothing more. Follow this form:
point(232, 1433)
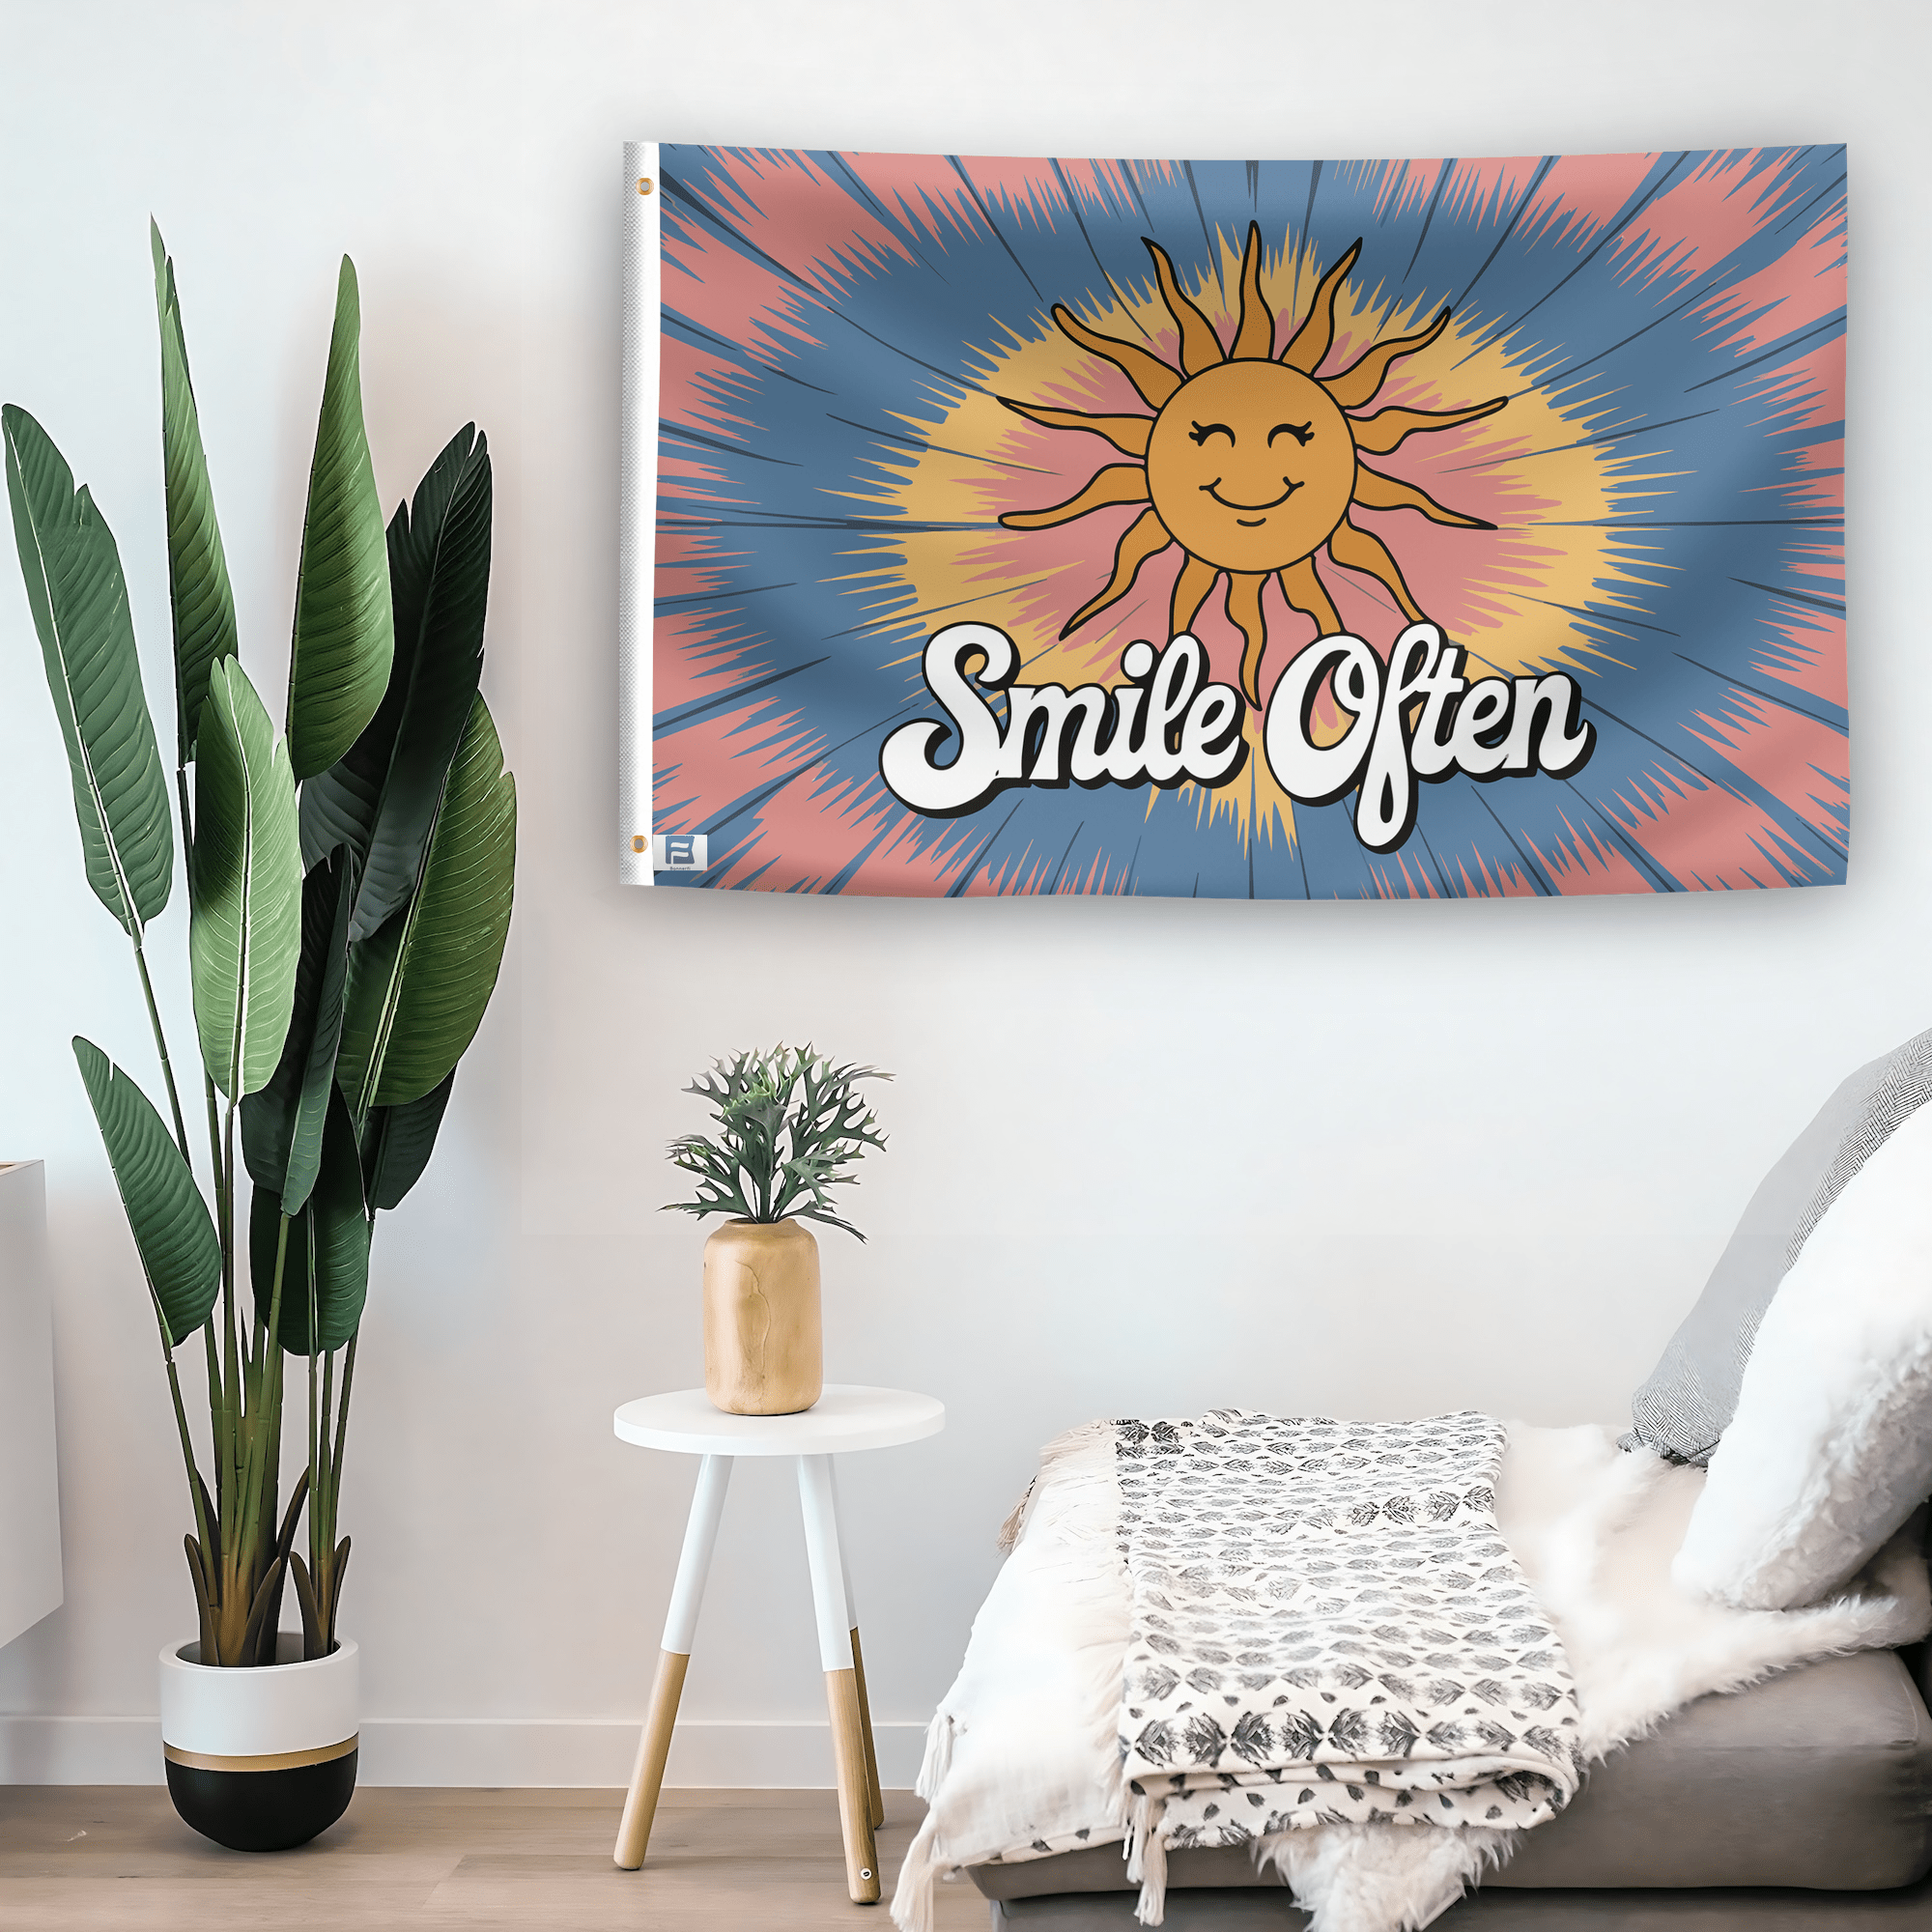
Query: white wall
point(1373, 1160)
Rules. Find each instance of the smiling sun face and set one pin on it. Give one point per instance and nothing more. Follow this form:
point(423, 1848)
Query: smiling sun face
point(1250, 466)
point(1250, 463)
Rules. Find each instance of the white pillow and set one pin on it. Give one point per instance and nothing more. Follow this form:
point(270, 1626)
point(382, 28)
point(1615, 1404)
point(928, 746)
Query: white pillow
point(1831, 1448)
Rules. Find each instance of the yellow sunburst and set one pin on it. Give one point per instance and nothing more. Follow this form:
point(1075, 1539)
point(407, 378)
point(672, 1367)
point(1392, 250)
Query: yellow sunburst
point(1251, 462)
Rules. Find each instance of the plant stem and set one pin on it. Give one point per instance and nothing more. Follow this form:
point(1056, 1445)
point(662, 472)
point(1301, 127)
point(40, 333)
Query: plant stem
point(214, 1407)
point(264, 1443)
point(162, 1047)
point(335, 1485)
point(233, 1504)
point(269, 1362)
point(314, 1438)
point(213, 1135)
point(342, 1408)
point(230, 1348)
point(195, 1488)
point(322, 1518)
point(216, 1395)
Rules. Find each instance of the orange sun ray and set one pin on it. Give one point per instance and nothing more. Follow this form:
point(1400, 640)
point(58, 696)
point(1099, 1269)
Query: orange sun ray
point(1127, 433)
point(1356, 548)
point(1378, 435)
point(1315, 337)
point(1154, 380)
point(1244, 613)
point(1190, 592)
point(1357, 383)
point(1301, 584)
point(1376, 492)
point(1253, 337)
point(1118, 483)
point(1200, 346)
point(1144, 537)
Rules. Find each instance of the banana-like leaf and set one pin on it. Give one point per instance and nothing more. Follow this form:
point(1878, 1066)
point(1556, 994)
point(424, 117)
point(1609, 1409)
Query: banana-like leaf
point(198, 588)
point(326, 1268)
point(245, 928)
point(418, 988)
point(397, 1143)
point(282, 1125)
point(380, 797)
point(180, 1251)
point(79, 601)
point(345, 635)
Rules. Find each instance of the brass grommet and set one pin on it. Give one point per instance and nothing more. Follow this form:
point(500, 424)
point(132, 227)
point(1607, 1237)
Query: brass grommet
point(639, 841)
point(643, 184)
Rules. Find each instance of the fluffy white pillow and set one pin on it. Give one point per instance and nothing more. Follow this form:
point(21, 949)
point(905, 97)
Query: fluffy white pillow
point(1831, 1448)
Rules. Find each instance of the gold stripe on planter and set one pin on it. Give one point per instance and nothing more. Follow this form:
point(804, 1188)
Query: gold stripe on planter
point(267, 1761)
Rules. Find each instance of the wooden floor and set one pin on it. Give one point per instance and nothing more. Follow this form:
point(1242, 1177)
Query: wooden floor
point(101, 1859)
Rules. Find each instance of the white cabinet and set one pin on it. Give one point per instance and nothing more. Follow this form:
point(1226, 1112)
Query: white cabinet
point(29, 1550)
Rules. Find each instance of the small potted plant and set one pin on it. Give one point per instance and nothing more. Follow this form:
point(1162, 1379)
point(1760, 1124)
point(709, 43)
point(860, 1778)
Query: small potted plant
point(790, 1127)
point(348, 888)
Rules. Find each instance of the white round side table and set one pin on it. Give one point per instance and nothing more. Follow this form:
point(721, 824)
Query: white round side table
point(844, 1418)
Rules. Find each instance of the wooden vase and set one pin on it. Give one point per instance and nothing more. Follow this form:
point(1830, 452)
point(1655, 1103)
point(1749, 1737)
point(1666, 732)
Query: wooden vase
point(764, 1349)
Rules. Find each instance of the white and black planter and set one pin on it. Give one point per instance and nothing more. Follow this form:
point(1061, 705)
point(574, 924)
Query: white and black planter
point(260, 1759)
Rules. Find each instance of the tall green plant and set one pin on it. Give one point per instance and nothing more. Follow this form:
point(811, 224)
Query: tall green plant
point(349, 897)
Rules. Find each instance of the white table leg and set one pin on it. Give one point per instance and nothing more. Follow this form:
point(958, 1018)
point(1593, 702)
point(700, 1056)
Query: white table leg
point(836, 1654)
point(694, 1565)
point(878, 1799)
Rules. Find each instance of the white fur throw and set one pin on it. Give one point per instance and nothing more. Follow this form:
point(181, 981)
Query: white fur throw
point(1831, 1448)
point(1023, 1755)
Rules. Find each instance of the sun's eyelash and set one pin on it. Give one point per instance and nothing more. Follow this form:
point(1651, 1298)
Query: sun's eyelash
point(1302, 432)
point(1200, 432)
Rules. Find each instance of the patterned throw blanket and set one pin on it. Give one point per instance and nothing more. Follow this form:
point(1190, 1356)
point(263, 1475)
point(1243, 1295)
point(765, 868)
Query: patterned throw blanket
point(1327, 1627)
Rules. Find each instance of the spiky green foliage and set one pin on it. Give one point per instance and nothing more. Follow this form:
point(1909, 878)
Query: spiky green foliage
point(381, 799)
point(419, 986)
point(407, 902)
point(71, 569)
point(282, 1121)
point(345, 631)
point(791, 1126)
point(199, 596)
point(244, 887)
point(326, 1263)
point(397, 1143)
point(181, 1253)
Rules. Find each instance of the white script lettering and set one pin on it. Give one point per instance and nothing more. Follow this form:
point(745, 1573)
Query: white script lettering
point(1166, 725)
point(1417, 718)
point(1484, 731)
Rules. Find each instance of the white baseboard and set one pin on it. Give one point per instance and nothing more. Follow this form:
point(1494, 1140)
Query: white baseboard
point(480, 1751)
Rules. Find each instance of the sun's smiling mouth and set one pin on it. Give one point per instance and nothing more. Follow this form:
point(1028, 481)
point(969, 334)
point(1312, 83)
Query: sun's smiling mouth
point(1213, 489)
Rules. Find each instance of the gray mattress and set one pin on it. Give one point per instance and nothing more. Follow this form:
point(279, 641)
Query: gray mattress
point(1805, 1800)
point(1727, 1910)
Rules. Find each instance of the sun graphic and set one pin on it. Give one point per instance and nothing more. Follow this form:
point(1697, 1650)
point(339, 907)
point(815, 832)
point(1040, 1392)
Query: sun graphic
point(1251, 462)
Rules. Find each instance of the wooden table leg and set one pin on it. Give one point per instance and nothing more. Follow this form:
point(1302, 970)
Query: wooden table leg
point(878, 1800)
point(842, 1688)
point(873, 1794)
point(694, 1564)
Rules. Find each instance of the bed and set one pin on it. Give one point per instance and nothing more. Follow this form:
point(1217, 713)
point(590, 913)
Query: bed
point(1806, 1800)
point(1687, 1685)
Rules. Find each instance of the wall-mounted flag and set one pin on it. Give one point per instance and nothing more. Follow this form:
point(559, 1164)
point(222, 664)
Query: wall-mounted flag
point(1234, 529)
